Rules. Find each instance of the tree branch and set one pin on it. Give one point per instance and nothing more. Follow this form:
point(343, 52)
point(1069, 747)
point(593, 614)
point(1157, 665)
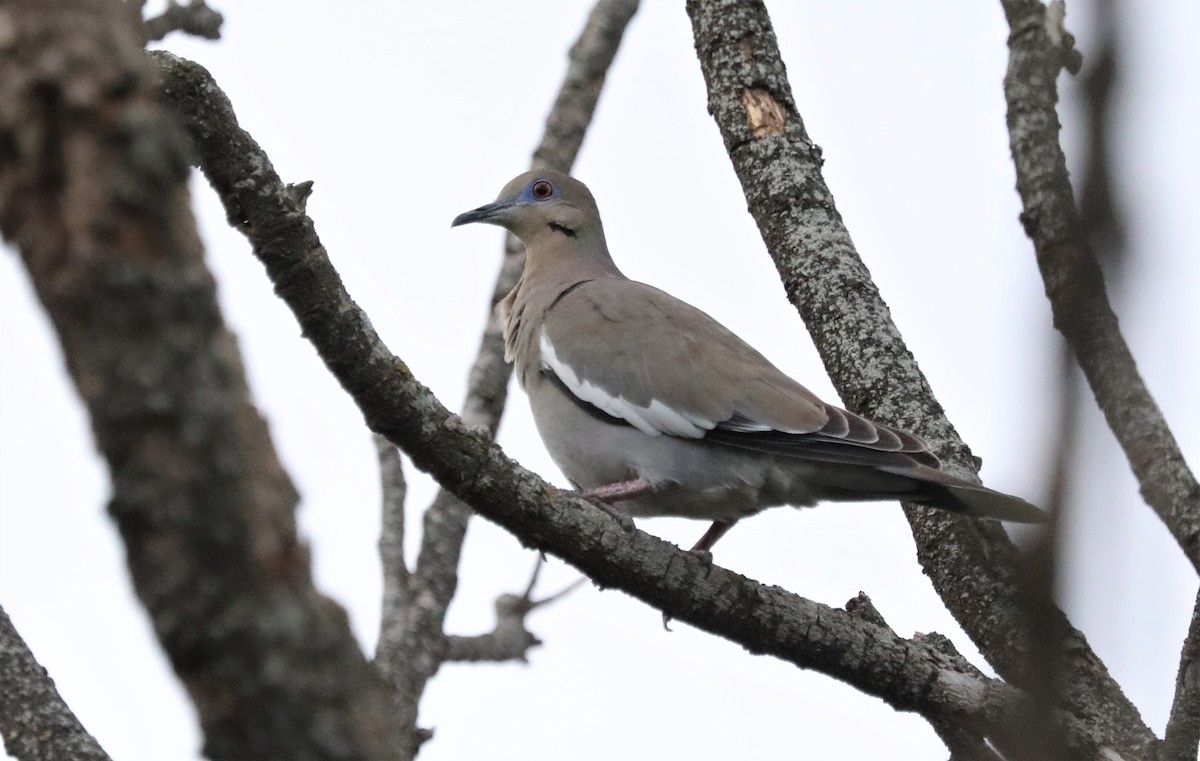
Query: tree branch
point(963, 744)
point(1073, 279)
point(908, 675)
point(35, 722)
point(509, 640)
point(971, 563)
point(1182, 737)
point(417, 637)
point(1041, 569)
point(93, 190)
point(391, 553)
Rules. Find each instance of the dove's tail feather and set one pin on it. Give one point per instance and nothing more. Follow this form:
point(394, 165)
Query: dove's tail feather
point(919, 484)
point(980, 502)
point(942, 490)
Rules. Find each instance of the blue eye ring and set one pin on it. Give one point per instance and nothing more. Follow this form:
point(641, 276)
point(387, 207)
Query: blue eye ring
point(541, 190)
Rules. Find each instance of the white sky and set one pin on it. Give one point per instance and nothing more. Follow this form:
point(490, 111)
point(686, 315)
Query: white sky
point(405, 114)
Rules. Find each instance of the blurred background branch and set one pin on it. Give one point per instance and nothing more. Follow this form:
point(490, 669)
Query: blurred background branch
point(93, 191)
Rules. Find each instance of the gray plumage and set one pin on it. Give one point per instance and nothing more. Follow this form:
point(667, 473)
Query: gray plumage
point(629, 385)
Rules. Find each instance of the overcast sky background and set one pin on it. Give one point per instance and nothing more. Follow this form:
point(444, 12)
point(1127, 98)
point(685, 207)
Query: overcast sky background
point(404, 115)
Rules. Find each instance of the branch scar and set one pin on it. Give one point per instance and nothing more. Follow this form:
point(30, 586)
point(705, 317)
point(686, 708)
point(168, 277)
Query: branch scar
point(764, 115)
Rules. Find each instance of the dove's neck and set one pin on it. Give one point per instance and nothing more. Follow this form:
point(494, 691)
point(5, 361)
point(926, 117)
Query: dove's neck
point(551, 271)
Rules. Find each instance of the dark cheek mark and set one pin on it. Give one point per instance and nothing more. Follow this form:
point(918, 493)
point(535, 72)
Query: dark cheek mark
point(556, 227)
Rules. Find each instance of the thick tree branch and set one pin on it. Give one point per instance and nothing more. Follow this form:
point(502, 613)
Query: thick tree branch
point(1072, 276)
point(972, 564)
point(35, 722)
point(908, 675)
point(93, 191)
point(416, 639)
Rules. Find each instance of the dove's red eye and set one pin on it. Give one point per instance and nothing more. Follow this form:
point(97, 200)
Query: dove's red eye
point(542, 190)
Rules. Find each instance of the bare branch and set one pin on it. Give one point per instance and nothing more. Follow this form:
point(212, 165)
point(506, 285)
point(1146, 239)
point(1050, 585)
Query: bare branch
point(195, 18)
point(972, 564)
point(1182, 737)
point(93, 190)
point(35, 722)
point(393, 489)
point(1102, 214)
point(908, 675)
point(396, 600)
point(509, 640)
point(1075, 283)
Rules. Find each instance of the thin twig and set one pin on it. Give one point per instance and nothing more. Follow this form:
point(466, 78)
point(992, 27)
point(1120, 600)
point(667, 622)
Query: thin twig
point(533, 577)
point(568, 589)
point(35, 721)
point(509, 639)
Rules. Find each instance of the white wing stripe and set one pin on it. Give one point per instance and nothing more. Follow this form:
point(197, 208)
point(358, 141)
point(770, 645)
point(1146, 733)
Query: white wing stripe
point(652, 420)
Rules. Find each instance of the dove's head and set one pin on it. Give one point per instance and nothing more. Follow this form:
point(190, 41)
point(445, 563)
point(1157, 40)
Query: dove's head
point(544, 207)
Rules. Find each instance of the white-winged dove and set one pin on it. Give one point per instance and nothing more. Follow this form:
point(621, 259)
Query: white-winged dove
point(645, 401)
